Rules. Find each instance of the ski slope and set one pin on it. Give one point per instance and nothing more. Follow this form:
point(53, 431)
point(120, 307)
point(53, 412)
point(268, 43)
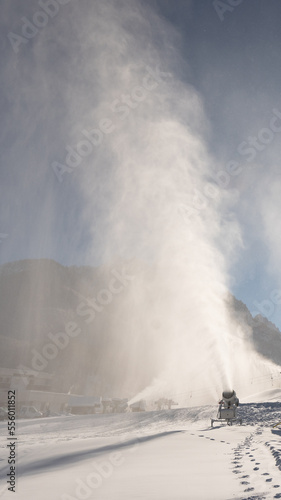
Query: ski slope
point(167, 455)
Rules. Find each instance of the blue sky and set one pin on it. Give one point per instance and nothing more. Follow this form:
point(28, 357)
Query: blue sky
point(233, 64)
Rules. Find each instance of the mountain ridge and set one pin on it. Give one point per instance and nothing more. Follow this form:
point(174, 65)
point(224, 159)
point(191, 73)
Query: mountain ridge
point(39, 297)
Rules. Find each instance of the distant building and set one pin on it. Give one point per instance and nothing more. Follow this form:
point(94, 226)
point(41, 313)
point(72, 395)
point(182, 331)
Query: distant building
point(24, 378)
point(33, 389)
point(83, 405)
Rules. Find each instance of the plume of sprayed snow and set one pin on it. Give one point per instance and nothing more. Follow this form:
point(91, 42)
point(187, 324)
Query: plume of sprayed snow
point(144, 185)
point(152, 170)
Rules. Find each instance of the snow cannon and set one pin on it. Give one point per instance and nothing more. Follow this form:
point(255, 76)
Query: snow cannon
point(229, 399)
point(227, 410)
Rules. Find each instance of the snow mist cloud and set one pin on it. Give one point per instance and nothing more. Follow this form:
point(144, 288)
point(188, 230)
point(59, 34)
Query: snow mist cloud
point(127, 141)
point(140, 160)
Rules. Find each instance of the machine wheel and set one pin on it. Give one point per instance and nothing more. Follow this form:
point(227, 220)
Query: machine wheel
point(212, 422)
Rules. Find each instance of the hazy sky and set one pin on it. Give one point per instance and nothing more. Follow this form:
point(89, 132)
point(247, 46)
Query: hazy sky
point(227, 52)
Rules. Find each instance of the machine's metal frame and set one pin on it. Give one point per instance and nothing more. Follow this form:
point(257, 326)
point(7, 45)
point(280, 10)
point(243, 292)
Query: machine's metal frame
point(228, 415)
point(228, 409)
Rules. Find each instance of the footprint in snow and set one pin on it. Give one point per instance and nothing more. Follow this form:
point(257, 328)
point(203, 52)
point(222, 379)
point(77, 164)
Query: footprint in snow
point(244, 482)
point(268, 480)
point(265, 473)
point(277, 496)
point(276, 486)
point(249, 489)
point(244, 477)
point(256, 468)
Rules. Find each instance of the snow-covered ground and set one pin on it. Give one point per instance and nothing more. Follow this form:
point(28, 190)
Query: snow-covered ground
point(163, 455)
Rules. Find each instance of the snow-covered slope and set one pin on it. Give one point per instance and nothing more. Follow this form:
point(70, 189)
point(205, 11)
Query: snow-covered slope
point(270, 395)
point(152, 455)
